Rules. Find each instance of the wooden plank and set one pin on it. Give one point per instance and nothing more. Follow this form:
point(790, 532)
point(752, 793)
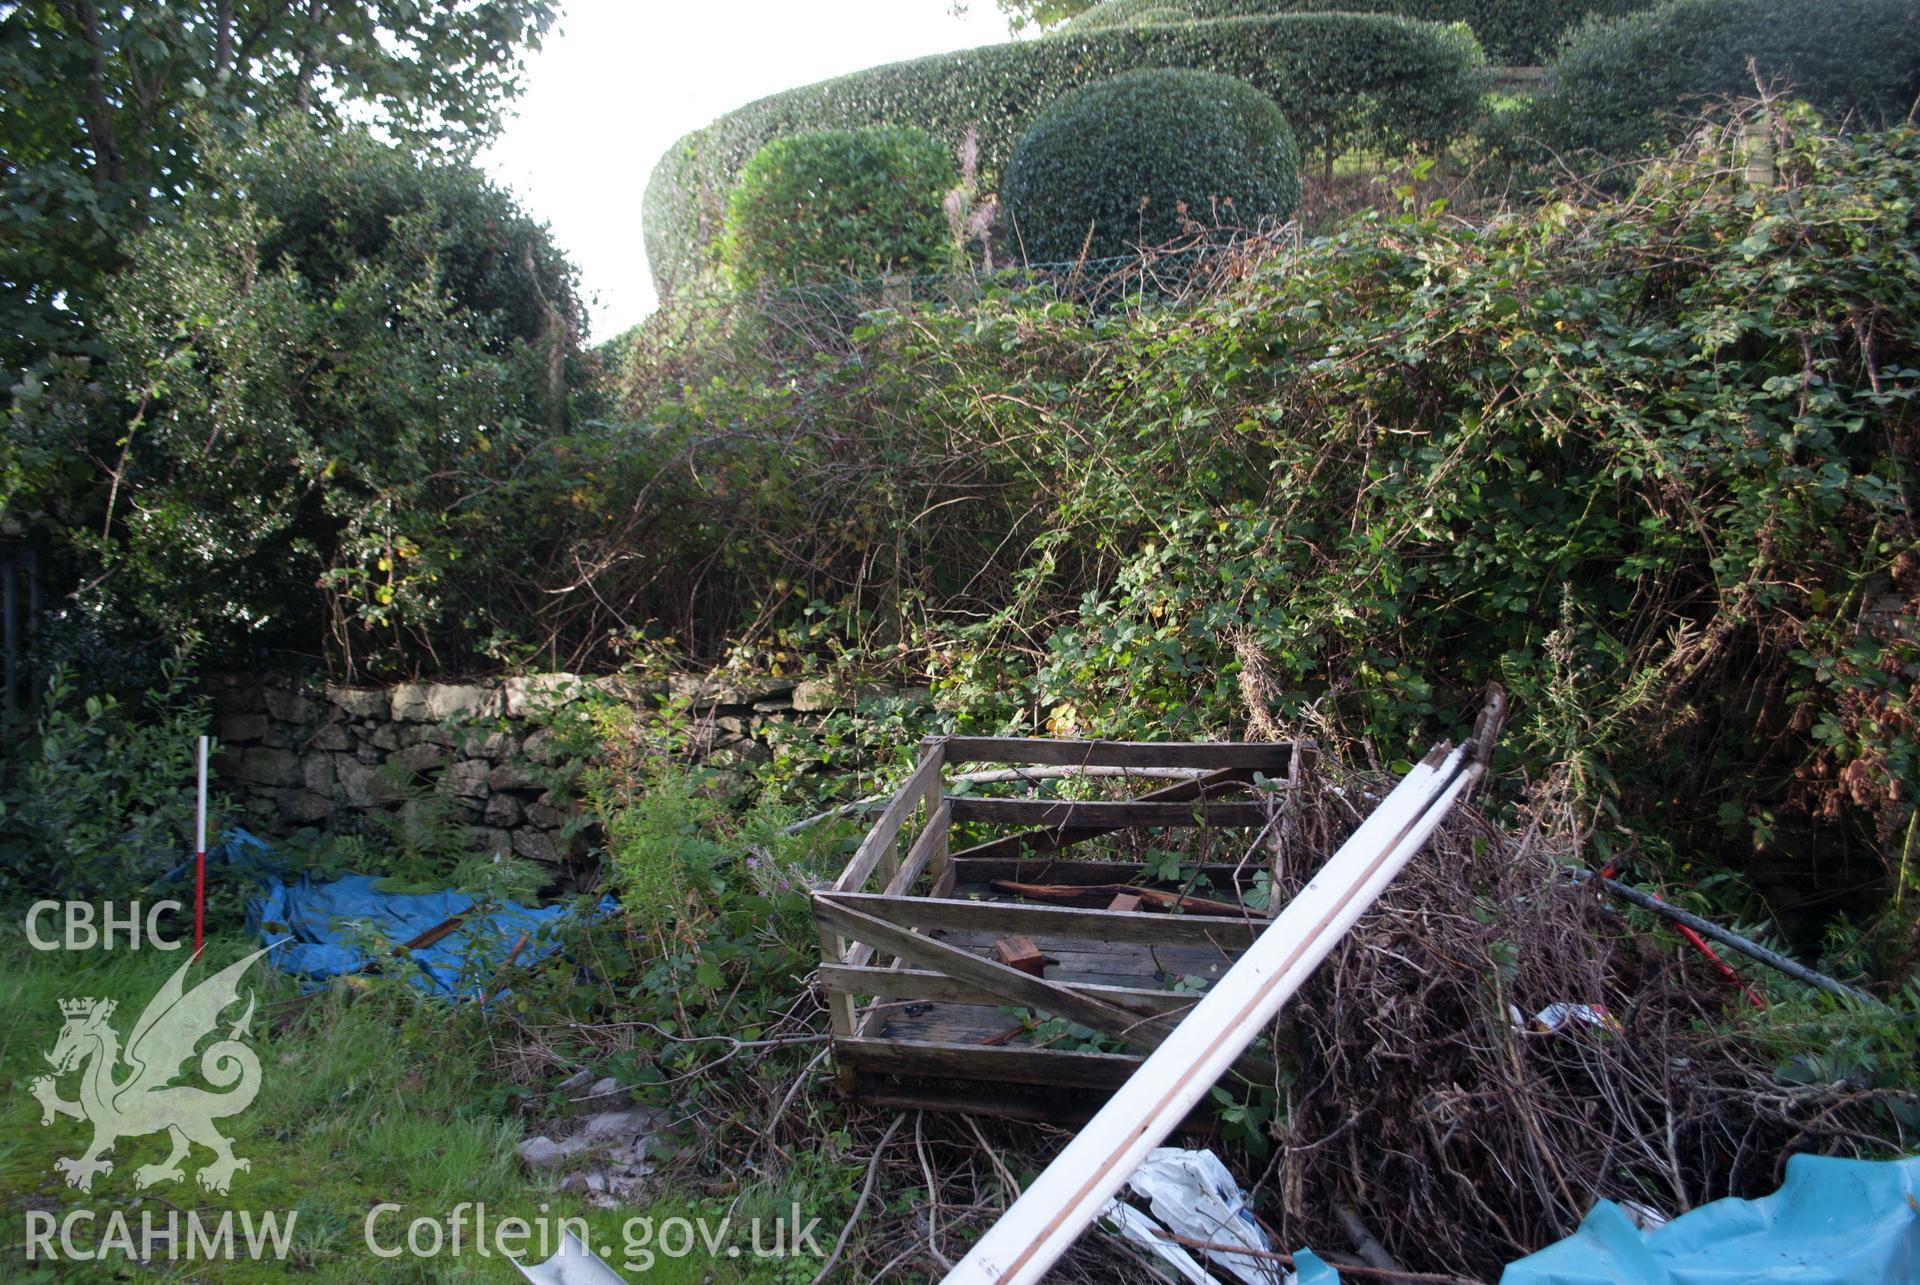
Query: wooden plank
point(924, 984)
point(1010, 1065)
point(839, 1006)
point(1012, 985)
point(1159, 899)
point(1107, 814)
point(985, 870)
point(999, 918)
point(878, 844)
point(1052, 840)
point(887, 828)
point(1273, 758)
point(933, 838)
point(1124, 903)
point(1053, 1109)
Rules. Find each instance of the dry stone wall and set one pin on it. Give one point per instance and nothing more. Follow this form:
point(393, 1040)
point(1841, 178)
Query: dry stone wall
point(337, 758)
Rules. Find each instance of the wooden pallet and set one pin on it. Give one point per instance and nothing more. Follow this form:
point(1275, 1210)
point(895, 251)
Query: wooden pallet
point(922, 1012)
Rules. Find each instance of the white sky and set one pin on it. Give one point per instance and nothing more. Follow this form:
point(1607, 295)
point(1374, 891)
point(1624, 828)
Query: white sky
point(619, 80)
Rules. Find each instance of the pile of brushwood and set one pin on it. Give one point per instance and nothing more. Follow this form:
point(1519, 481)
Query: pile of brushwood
point(1427, 1099)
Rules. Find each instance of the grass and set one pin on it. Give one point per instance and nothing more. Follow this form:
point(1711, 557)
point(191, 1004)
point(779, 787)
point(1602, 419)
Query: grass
point(367, 1095)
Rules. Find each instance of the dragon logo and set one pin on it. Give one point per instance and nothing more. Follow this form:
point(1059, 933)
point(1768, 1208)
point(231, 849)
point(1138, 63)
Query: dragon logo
point(146, 1099)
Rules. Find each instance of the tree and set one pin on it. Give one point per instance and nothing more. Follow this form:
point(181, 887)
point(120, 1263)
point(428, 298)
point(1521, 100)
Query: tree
point(1042, 15)
point(332, 378)
point(110, 110)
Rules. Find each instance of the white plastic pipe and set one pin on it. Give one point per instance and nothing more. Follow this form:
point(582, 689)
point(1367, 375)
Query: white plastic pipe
point(200, 857)
point(200, 844)
point(1050, 1215)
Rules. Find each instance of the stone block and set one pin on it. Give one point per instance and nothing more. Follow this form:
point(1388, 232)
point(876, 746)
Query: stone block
point(815, 696)
point(449, 701)
point(290, 707)
point(333, 737)
point(740, 755)
point(535, 845)
point(408, 703)
point(317, 774)
point(513, 776)
point(305, 807)
point(503, 810)
point(541, 745)
point(424, 757)
point(529, 693)
point(547, 816)
point(495, 745)
point(706, 690)
point(386, 737)
point(270, 767)
point(364, 784)
point(237, 729)
point(361, 702)
point(468, 778)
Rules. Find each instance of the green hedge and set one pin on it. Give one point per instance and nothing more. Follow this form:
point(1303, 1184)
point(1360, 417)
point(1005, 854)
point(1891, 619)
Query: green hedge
point(839, 203)
point(1520, 32)
point(1125, 13)
point(1624, 87)
point(1339, 79)
point(1080, 174)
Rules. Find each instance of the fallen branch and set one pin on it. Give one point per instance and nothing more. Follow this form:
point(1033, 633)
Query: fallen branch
point(859, 1206)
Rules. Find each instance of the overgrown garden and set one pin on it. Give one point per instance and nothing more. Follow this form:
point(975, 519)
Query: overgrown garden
point(1192, 370)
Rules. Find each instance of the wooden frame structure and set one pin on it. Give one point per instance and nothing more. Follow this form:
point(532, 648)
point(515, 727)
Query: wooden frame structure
point(907, 930)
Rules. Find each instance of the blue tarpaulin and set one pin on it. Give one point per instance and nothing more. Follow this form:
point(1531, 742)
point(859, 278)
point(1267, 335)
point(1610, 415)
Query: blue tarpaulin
point(1833, 1222)
point(332, 923)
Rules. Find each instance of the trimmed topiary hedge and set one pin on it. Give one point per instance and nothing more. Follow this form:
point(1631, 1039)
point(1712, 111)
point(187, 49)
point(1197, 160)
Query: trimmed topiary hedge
point(1125, 13)
point(1624, 87)
point(838, 203)
point(1340, 80)
point(1520, 32)
point(1080, 175)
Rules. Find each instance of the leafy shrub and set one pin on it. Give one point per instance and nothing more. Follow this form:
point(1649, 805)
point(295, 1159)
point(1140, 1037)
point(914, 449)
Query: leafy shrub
point(838, 203)
point(321, 379)
point(1619, 87)
point(1121, 162)
point(1341, 80)
point(97, 798)
point(1522, 32)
